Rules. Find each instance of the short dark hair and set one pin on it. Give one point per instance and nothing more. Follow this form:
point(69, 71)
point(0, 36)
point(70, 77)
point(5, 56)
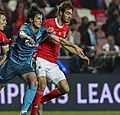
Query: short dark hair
point(92, 22)
point(33, 11)
point(83, 18)
point(65, 5)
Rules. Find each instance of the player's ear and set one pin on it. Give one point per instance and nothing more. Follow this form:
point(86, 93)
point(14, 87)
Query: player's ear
point(60, 13)
point(31, 20)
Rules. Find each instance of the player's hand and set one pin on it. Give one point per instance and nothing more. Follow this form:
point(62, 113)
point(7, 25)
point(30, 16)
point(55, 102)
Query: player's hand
point(79, 50)
point(50, 30)
point(5, 49)
point(31, 40)
point(85, 58)
point(81, 54)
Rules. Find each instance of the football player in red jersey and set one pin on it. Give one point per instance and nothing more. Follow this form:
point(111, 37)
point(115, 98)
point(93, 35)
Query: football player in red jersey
point(4, 41)
point(47, 54)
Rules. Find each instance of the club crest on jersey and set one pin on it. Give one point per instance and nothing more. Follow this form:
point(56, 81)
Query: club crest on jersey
point(59, 33)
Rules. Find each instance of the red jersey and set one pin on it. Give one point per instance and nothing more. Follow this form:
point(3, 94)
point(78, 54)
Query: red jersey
point(48, 49)
point(4, 39)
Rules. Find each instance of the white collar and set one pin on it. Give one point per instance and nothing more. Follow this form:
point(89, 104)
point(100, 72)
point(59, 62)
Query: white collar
point(57, 23)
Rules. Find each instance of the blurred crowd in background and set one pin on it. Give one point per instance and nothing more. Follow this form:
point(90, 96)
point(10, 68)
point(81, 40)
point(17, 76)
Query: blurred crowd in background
point(95, 27)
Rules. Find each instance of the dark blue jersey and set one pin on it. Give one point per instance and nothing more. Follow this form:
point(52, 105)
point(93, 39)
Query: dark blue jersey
point(21, 52)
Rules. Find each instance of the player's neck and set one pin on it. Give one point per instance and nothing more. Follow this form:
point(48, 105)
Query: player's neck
point(33, 28)
point(60, 21)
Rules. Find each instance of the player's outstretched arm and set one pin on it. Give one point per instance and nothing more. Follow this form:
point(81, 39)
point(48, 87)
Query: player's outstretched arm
point(65, 42)
point(3, 59)
point(22, 34)
point(61, 41)
point(77, 52)
point(74, 49)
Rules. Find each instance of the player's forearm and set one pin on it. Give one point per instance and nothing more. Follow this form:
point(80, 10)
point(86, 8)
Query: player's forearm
point(67, 43)
point(3, 59)
point(70, 49)
point(74, 51)
point(62, 41)
point(55, 38)
point(22, 34)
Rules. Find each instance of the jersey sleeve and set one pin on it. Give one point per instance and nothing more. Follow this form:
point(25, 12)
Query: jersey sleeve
point(4, 40)
point(43, 29)
point(24, 28)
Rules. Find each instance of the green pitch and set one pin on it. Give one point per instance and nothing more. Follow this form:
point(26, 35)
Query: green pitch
point(68, 113)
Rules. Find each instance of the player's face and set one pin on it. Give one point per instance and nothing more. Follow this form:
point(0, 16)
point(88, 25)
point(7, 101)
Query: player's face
point(67, 15)
point(38, 20)
point(3, 22)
